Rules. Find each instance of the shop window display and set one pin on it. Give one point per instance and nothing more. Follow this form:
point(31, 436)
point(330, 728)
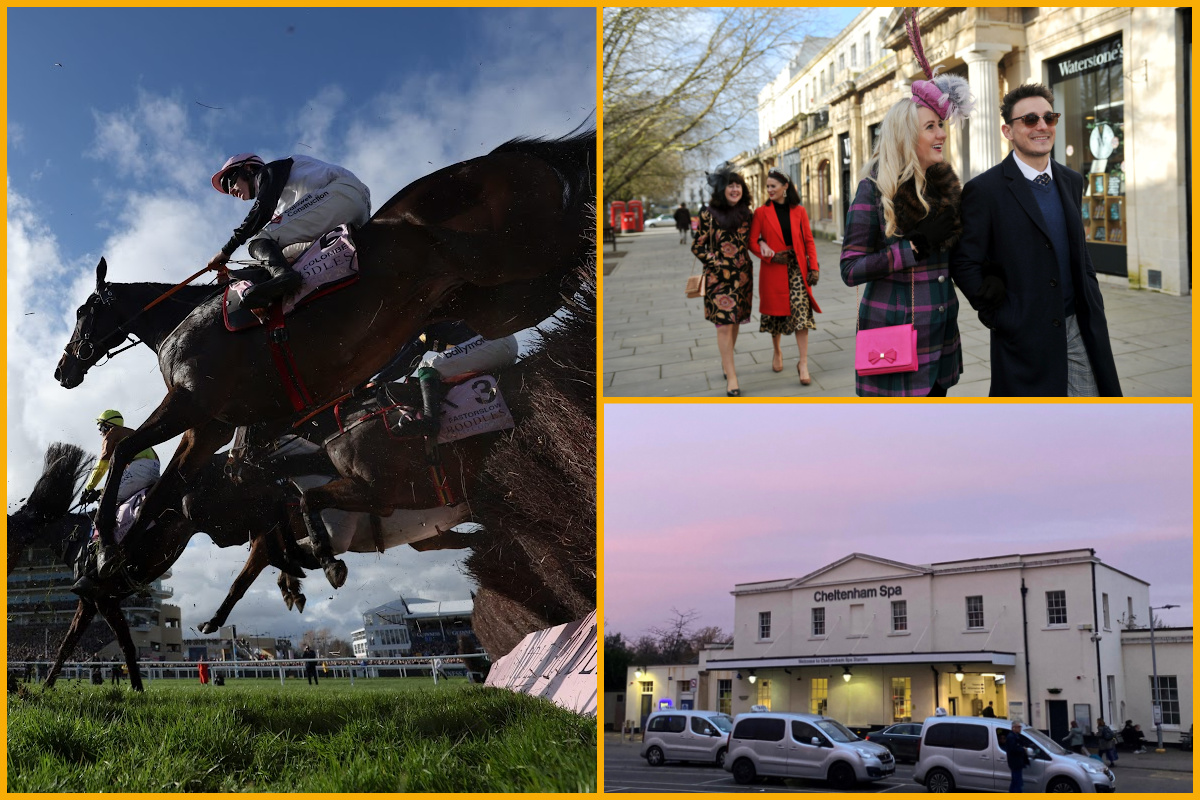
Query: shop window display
point(1088, 86)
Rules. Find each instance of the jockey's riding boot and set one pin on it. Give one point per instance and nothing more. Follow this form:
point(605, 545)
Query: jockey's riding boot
point(431, 404)
point(110, 559)
point(284, 279)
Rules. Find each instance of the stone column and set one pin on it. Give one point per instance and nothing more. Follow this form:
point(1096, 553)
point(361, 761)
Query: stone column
point(983, 73)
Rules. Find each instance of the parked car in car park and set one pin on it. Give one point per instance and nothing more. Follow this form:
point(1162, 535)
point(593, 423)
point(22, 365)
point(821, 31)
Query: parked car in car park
point(661, 221)
point(685, 735)
point(902, 739)
point(791, 745)
point(968, 753)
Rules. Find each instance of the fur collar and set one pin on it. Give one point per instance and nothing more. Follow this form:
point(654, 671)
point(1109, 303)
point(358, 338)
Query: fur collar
point(942, 190)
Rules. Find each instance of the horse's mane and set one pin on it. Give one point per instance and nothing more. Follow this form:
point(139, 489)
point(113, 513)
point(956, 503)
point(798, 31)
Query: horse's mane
point(63, 469)
point(572, 156)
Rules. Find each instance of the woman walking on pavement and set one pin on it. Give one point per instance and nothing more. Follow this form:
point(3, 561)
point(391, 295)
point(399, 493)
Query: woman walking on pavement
point(782, 239)
point(721, 245)
point(899, 230)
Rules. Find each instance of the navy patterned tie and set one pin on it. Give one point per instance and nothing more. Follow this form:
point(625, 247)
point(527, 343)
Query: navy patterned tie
point(1043, 179)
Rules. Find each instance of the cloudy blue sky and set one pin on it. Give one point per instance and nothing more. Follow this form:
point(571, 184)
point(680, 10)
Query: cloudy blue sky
point(698, 498)
point(110, 153)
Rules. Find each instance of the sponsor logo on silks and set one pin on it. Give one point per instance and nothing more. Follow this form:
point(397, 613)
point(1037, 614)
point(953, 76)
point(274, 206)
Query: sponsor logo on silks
point(305, 205)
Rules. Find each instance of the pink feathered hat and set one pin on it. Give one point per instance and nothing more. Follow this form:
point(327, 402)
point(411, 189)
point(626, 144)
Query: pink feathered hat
point(948, 96)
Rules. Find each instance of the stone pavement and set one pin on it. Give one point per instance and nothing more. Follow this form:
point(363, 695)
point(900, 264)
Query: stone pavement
point(657, 343)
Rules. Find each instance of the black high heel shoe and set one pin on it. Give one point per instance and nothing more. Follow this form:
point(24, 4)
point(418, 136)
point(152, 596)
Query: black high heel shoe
point(733, 392)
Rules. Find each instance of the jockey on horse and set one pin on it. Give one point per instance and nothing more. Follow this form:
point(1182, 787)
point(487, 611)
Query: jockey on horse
point(142, 472)
point(296, 200)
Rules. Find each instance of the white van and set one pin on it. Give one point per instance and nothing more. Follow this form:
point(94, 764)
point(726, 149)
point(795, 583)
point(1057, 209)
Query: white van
point(968, 753)
point(685, 735)
point(788, 745)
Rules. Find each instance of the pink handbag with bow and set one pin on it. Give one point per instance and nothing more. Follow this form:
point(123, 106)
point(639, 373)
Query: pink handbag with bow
point(878, 351)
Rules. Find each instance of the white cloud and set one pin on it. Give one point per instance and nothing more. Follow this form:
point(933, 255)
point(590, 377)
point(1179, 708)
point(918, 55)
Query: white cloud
point(171, 229)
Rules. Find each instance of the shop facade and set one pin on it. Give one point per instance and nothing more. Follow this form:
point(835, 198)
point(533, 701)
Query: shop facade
point(1121, 77)
point(1043, 638)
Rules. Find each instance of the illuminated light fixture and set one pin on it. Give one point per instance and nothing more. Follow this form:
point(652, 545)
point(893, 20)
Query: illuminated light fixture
point(640, 671)
point(846, 676)
point(958, 673)
point(752, 676)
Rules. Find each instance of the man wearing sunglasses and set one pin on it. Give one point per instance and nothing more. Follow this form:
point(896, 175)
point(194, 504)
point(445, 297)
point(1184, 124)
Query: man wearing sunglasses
point(296, 200)
point(1023, 226)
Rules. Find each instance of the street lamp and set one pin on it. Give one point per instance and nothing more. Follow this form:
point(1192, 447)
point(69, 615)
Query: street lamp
point(1156, 694)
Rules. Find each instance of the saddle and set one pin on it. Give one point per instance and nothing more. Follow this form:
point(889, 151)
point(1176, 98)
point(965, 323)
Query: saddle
point(473, 405)
point(329, 264)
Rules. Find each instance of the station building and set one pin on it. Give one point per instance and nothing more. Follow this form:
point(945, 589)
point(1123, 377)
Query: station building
point(1043, 638)
point(1120, 76)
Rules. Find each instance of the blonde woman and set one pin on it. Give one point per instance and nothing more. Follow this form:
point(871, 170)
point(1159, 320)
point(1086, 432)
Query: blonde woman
point(901, 225)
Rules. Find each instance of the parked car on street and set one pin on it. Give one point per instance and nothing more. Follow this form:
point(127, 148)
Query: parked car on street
point(789, 745)
point(661, 221)
point(968, 753)
point(902, 739)
point(685, 735)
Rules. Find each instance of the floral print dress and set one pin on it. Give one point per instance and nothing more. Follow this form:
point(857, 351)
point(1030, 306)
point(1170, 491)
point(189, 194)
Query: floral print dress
point(728, 280)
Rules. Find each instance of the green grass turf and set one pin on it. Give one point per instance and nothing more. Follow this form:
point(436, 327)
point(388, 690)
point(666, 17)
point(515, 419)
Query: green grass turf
point(380, 735)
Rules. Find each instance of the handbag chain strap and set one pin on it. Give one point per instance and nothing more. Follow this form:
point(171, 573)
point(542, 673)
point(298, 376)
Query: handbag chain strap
point(912, 303)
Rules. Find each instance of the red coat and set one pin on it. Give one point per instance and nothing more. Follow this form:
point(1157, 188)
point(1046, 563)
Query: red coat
point(772, 278)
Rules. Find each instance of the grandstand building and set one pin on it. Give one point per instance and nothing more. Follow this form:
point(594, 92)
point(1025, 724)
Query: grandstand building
point(41, 606)
point(416, 627)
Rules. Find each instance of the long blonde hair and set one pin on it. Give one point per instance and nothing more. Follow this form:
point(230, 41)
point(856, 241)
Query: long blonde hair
point(895, 158)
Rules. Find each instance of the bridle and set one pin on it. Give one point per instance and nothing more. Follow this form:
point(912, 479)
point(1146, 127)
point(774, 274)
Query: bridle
point(85, 346)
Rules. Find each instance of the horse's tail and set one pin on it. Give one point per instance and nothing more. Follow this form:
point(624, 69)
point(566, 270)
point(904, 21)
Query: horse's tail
point(572, 156)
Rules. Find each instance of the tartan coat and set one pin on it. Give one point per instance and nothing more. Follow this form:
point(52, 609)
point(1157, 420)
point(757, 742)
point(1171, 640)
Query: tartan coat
point(891, 274)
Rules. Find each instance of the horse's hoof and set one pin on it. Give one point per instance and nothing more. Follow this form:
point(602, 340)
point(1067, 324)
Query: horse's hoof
point(289, 602)
point(300, 601)
point(207, 627)
point(336, 572)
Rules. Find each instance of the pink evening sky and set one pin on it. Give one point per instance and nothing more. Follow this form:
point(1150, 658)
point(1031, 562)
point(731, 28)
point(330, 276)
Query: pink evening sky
point(700, 497)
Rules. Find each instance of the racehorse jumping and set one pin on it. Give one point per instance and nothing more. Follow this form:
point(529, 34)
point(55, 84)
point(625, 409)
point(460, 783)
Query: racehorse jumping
point(495, 241)
point(254, 512)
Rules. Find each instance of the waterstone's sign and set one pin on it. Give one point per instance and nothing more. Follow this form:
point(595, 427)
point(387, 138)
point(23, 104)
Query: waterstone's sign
point(1098, 56)
point(856, 593)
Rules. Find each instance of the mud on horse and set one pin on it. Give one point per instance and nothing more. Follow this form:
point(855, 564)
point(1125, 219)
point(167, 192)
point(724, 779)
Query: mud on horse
point(494, 241)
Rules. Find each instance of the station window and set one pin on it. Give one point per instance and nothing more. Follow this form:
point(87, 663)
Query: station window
point(647, 687)
point(1056, 608)
point(975, 612)
point(901, 699)
point(1167, 696)
point(818, 699)
point(725, 695)
point(899, 615)
point(764, 692)
point(818, 621)
point(764, 625)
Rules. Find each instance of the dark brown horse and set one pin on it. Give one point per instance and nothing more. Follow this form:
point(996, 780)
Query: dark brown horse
point(495, 241)
point(231, 515)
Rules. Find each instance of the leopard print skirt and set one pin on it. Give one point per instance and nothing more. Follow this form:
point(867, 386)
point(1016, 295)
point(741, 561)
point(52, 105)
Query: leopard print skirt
point(801, 317)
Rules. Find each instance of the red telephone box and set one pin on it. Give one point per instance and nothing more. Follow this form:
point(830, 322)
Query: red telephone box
point(615, 210)
point(635, 207)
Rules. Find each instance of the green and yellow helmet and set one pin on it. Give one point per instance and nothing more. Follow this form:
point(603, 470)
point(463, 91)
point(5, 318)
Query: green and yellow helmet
point(111, 416)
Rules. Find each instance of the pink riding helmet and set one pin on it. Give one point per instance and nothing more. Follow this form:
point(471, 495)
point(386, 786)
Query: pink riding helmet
point(233, 161)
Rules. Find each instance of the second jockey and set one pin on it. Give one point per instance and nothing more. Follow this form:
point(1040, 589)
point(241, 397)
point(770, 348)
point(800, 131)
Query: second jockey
point(296, 200)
